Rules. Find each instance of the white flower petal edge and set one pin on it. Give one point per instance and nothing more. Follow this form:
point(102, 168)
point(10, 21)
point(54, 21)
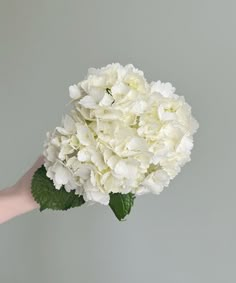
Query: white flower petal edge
point(122, 135)
point(75, 92)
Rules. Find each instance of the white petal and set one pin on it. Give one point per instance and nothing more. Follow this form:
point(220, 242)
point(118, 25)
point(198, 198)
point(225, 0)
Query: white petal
point(120, 88)
point(156, 181)
point(165, 89)
point(51, 153)
point(142, 190)
point(137, 143)
point(71, 186)
point(75, 92)
point(97, 159)
point(96, 196)
point(185, 145)
point(62, 131)
point(112, 161)
point(165, 115)
point(65, 150)
point(139, 107)
point(83, 155)
point(107, 100)
point(83, 172)
point(62, 175)
point(69, 124)
point(126, 169)
point(88, 102)
point(84, 135)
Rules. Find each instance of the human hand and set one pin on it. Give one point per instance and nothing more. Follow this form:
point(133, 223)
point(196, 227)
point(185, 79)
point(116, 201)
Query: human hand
point(17, 200)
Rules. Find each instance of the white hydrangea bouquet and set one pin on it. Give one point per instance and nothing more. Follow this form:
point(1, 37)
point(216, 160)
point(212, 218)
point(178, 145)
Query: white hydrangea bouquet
point(124, 137)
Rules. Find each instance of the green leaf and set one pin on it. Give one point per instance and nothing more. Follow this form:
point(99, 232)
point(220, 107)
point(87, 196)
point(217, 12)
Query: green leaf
point(121, 204)
point(48, 197)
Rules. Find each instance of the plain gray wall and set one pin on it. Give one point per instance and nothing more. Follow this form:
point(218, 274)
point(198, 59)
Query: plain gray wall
point(185, 235)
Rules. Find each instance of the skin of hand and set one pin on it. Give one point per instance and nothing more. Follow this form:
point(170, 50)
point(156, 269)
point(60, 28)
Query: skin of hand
point(17, 200)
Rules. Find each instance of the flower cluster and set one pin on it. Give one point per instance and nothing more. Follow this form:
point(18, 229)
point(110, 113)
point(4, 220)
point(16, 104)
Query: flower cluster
point(122, 135)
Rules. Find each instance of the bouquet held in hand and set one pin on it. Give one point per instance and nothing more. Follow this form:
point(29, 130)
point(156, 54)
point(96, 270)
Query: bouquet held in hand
point(123, 138)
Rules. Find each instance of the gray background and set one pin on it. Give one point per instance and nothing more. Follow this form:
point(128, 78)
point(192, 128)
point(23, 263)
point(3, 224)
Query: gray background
point(185, 235)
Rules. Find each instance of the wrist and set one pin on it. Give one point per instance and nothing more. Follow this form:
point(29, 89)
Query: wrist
point(15, 201)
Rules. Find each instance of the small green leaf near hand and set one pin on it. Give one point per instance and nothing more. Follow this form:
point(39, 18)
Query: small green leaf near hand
point(48, 197)
point(121, 204)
